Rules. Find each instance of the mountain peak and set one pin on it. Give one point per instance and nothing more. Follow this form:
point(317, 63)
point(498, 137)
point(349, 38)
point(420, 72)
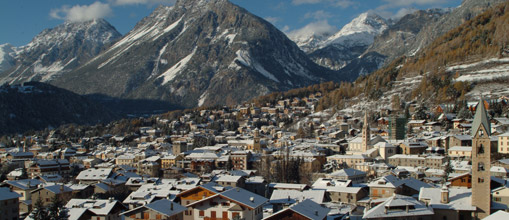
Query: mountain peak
point(360, 30)
point(64, 47)
point(197, 52)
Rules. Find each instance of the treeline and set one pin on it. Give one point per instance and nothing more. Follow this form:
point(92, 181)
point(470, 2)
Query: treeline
point(482, 37)
point(486, 35)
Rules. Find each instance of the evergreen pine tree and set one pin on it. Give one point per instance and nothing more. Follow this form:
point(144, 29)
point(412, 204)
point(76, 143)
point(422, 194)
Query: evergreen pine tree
point(39, 212)
point(57, 211)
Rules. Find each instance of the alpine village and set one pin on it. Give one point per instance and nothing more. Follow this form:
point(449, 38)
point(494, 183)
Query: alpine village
point(206, 111)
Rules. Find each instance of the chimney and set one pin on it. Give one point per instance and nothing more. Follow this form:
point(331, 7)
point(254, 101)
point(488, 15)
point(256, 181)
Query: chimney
point(62, 188)
point(171, 207)
point(316, 212)
point(444, 195)
point(407, 208)
point(385, 209)
point(288, 198)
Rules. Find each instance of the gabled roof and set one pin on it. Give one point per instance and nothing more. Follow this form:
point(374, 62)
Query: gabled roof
point(308, 209)
point(348, 172)
point(239, 196)
point(481, 118)
point(6, 193)
point(386, 181)
point(24, 184)
point(166, 207)
point(459, 198)
point(97, 206)
point(163, 206)
point(396, 207)
point(293, 196)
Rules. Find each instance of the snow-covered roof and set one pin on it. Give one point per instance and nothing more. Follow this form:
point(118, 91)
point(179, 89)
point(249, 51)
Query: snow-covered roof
point(395, 207)
point(309, 209)
point(288, 186)
point(97, 206)
point(293, 196)
point(95, 174)
point(347, 172)
point(389, 181)
point(499, 215)
point(166, 207)
point(460, 148)
point(460, 199)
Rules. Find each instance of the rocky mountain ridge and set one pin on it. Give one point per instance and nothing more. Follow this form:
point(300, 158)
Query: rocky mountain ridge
point(58, 50)
point(197, 53)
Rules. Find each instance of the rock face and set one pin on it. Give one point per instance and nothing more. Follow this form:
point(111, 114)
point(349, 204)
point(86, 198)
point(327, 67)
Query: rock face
point(197, 52)
point(397, 40)
point(36, 105)
point(58, 50)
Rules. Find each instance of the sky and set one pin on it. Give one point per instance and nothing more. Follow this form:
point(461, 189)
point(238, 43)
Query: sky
point(22, 20)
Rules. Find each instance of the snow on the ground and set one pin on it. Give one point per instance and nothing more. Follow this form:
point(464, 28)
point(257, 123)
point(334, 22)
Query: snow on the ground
point(488, 74)
point(475, 64)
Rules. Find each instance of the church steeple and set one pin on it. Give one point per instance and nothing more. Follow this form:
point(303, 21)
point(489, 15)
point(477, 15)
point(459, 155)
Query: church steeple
point(366, 135)
point(481, 160)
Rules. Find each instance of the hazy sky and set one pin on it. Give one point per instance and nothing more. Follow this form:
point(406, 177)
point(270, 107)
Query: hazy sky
point(21, 20)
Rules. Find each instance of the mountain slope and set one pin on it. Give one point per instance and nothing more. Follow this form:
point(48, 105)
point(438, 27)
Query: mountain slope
point(6, 57)
point(470, 60)
point(197, 53)
point(34, 106)
point(60, 49)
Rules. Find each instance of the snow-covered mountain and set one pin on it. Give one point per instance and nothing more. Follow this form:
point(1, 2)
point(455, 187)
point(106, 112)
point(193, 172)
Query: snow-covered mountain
point(337, 50)
point(197, 52)
point(60, 49)
point(359, 32)
point(7, 53)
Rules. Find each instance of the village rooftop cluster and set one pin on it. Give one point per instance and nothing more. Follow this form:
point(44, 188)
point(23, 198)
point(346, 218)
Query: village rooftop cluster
point(279, 161)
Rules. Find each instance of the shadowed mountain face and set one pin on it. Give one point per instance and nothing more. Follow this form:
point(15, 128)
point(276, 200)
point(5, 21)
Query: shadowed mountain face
point(197, 53)
point(35, 105)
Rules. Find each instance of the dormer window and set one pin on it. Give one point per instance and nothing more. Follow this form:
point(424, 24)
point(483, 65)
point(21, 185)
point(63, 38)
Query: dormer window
point(481, 132)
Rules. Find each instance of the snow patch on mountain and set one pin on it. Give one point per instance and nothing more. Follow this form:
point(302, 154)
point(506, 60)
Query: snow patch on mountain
point(7, 53)
point(159, 61)
point(202, 99)
point(245, 58)
point(173, 71)
point(360, 31)
point(150, 31)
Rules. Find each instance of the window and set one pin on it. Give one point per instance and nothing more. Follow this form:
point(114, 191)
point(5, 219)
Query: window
point(480, 166)
point(480, 180)
point(225, 215)
point(202, 213)
point(235, 214)
point(480, 149)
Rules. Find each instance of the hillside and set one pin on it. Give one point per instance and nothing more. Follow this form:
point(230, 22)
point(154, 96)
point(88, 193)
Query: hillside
point(35, 106)
point(441, 72)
